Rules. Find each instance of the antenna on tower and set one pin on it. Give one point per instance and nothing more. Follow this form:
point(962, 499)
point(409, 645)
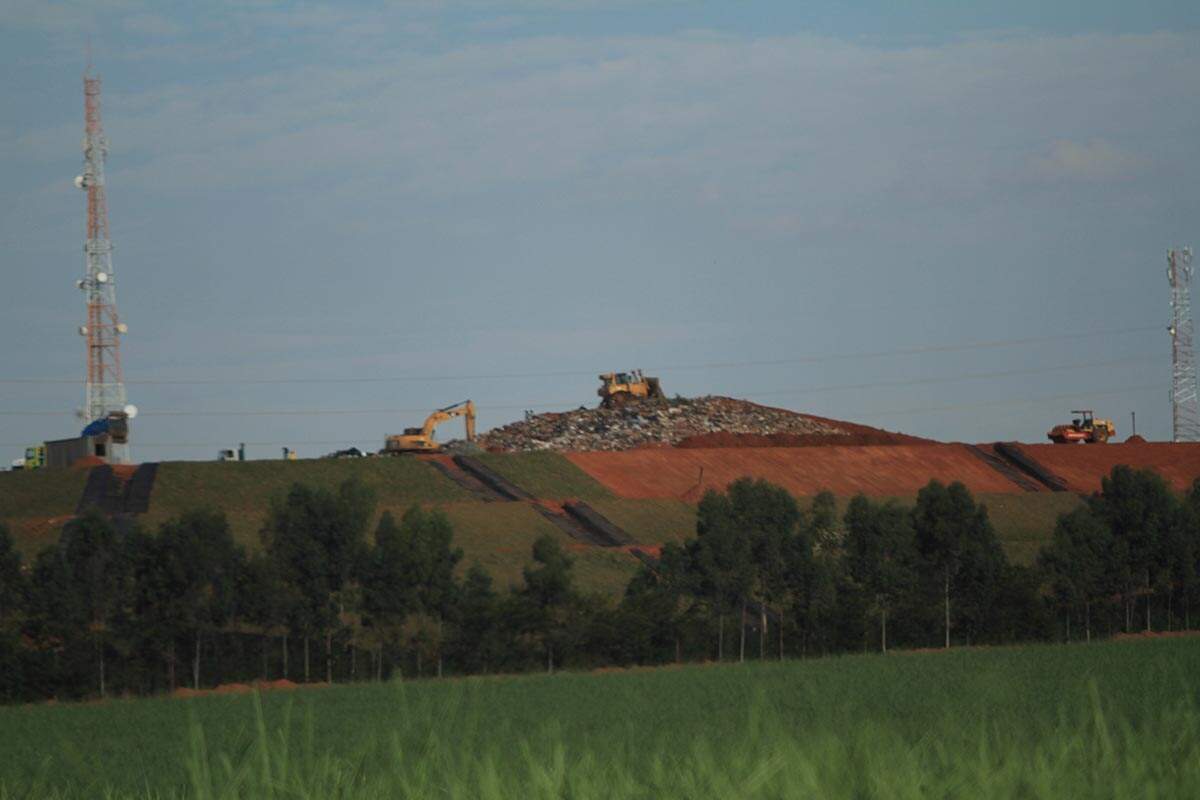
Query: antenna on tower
point(104, 393)
point(1185, 407)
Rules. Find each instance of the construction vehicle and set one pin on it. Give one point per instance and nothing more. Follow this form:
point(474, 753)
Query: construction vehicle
point(618, 389)
point(35, 457)
point(420, 440)
point(1084, 428)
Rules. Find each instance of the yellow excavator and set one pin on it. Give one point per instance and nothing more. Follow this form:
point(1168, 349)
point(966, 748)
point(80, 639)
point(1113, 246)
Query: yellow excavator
point(619, 388)
point(420, 440)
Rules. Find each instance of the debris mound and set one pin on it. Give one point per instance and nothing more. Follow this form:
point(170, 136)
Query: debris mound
point(700, 422)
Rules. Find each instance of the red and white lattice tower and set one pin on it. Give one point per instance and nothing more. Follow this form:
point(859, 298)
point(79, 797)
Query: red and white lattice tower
point(105, 389)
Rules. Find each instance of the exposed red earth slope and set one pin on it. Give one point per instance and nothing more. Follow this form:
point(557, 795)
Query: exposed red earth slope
point(881, 470)
point(1083, 465)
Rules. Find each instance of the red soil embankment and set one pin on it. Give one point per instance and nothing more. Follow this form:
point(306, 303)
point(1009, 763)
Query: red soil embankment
point(849, 434)
point(1083, 465)
point(708, 441)
point(880, 470)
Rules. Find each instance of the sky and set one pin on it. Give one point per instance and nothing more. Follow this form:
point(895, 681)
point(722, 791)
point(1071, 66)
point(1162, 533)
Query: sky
point(949, 219)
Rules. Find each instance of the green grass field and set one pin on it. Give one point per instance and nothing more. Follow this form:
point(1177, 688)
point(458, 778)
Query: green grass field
point(1113, 720)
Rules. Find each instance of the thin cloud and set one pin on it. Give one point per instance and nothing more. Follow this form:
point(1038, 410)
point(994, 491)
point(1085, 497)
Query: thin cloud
point(1094, 160)
point(155, 25)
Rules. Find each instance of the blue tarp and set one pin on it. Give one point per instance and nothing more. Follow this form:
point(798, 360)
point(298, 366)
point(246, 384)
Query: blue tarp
point(96, 428)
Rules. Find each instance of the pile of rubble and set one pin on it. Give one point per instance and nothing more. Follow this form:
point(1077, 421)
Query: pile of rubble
point(651, 423)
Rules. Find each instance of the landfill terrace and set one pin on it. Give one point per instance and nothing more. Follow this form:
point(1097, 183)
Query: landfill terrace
point(705, 422)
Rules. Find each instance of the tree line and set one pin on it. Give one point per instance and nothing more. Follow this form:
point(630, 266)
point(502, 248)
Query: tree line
point(108, 610)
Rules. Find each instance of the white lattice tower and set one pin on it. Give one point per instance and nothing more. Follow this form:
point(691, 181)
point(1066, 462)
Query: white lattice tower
point(105, 388)
point(1185, 408)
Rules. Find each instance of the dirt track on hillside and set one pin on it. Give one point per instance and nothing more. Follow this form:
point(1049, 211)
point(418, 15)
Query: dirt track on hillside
point(873, 470)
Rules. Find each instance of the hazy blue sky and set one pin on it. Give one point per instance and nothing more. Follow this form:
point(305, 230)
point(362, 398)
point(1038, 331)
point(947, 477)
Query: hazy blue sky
point(498, 200)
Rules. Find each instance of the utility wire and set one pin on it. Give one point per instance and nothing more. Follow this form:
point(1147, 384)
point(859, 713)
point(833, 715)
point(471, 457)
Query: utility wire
point(1021, 402)
point(572, 404)
point(898, 412)
point(810, 359)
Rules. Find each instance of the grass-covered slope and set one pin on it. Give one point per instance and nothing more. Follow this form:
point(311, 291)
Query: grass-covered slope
point(40, 493)
point(546, 475)
point(243, 490)
point(251, 484)
point(34, 504)
point(651, 521)
point(1024, 523)
point(500, 536)
point(497, 535)
point(1114, 720)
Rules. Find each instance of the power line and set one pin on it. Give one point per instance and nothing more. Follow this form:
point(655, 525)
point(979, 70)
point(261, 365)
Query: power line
point(573, 404)
point(810, 359)
point(898, 412)
point(1021, 402)
point(954, 378)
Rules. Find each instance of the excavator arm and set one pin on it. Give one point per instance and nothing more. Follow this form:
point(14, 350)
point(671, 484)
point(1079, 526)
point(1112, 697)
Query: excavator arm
point(463, 409)
point(420, 440)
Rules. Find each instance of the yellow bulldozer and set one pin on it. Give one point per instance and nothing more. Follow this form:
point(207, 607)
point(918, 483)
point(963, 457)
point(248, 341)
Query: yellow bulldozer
point(1084, 428)
point(420, 440)
point(617, 389)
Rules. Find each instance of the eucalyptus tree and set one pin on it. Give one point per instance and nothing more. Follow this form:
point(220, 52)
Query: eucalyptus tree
point(90, 552)
point(201, 568)
point(317, 538)
point(880, 554)
point(549, 590)
point(724, 561)
point(956, 542)
point(389, 592)
point(1076, 563)
point(1145, 517)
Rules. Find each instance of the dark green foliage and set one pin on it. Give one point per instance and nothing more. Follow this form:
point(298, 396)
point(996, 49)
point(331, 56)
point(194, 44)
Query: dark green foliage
point(660, 607)
point(880, 555)
point(317, 538)
point(109, 611)
point(12, 582)
point(267, 601)
point(961, 554)
point(549, 593)
point(1079, 563)
point(91, 570)
point(410, 571)
point(724, 552)
point(196, 571)
point(13, 603)
point(1150, 536)
point(477, 642)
